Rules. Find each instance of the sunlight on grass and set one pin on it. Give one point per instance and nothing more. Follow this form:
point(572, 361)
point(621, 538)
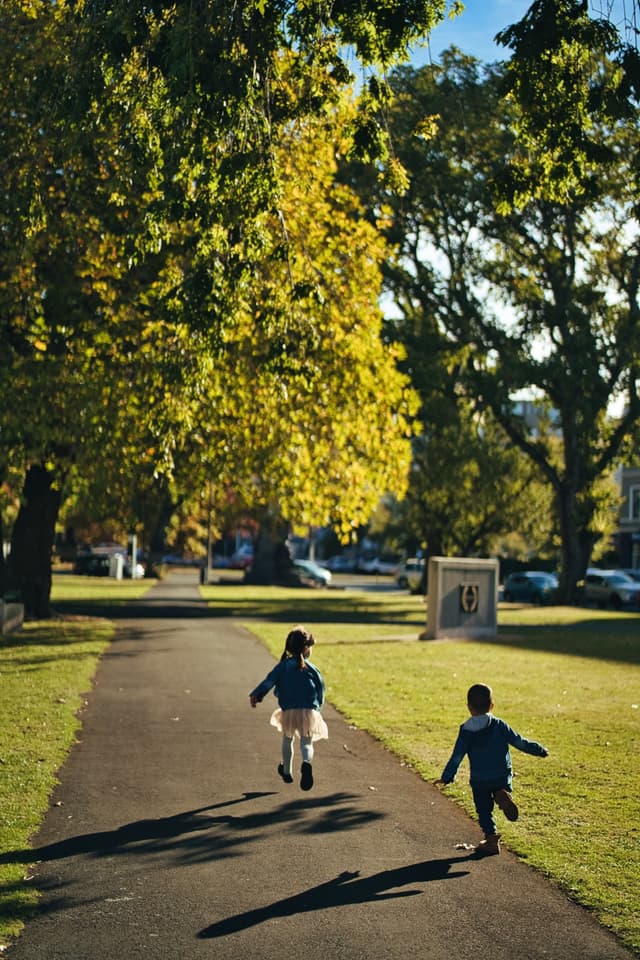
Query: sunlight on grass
point(46, 669)
point(104, 589)
point(293, 605)
point(568, 677)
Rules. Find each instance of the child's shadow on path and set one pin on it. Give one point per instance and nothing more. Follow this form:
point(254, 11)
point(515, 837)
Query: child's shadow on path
point(344, 889)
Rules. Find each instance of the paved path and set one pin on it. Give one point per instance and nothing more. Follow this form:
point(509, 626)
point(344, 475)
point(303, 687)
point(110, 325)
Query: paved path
point(170, 835)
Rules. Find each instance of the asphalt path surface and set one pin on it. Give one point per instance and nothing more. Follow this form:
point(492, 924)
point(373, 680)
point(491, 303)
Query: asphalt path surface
point(171, 836)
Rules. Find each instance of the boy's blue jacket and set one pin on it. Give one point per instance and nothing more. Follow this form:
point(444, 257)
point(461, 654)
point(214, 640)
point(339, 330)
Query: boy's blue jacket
point(295, 689)
point(486, 739)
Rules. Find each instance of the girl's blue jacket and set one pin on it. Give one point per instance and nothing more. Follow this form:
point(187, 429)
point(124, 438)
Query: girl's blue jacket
point(295, 689)
point(486, 739)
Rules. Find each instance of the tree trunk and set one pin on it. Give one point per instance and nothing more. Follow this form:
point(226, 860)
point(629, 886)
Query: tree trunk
point(434, 548)
point(272, 562)
point(157, 535)
point(3, 567)
point(577, 545)
point(32, 543)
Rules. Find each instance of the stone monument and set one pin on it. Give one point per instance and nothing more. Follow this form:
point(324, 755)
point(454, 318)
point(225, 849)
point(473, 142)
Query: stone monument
point(462, 598)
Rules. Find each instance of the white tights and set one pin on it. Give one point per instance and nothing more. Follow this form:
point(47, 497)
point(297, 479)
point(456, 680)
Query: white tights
point(306, 749)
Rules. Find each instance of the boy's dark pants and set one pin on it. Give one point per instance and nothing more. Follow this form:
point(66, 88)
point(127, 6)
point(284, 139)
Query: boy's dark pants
point(484, 792)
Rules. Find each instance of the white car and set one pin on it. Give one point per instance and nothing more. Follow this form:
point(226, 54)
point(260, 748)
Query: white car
point(411, 575)
point(312, 574)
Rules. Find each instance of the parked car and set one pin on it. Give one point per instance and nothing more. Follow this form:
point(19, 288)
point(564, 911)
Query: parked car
point(242, 558)
point(339, 564)
point(137, 572)
point(384, 565)
point(634, 574)
point(530, 586)
point(411, 575)
point(312, 574)
point(92, 564)
point(611, 588)
point(98, 561)
point(220, 562)
point(179, 560)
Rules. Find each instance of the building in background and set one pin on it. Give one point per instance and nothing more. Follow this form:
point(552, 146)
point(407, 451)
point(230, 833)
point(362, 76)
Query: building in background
point(629, 532)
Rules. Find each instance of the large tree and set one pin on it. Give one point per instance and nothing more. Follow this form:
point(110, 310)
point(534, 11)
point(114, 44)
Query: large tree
point(320, 410)
point(138, 172)
point(543, 299)
point(470, 490)
point(304, 424)
point(575, 67)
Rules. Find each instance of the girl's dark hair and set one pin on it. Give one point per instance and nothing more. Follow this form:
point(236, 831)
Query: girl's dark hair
point(297, 640)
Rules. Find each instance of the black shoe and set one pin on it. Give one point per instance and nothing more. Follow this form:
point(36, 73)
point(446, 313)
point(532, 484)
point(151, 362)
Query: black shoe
point(285, 776)
point(306, 778)
point(506, 803)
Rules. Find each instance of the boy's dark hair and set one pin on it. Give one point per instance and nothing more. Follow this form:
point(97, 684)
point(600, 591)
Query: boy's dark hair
point(479, 697)
point(297, 640)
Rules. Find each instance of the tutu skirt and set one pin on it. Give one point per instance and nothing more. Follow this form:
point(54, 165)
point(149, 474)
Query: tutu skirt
point(304, 723)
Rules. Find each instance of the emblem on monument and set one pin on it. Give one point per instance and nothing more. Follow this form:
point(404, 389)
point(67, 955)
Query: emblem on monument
point(469, 597)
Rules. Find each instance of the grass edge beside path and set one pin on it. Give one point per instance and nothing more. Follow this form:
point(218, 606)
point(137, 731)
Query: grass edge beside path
point(45, 677)
point(46, 671)
point(407, 694)
point(580, 823)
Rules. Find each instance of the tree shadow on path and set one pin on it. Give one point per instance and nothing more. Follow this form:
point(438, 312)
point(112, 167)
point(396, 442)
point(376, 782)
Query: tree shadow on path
point(108, 841)
point(198, 835)
point(345, 889)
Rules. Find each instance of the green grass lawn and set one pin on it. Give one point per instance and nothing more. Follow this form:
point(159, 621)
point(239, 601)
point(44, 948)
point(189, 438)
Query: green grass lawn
point(565, 676)
point(45, 670)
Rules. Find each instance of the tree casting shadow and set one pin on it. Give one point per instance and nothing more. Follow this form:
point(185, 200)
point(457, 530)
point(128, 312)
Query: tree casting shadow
point(194, 835)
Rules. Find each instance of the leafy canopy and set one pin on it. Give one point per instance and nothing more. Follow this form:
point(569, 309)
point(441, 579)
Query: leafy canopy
point(541, 302)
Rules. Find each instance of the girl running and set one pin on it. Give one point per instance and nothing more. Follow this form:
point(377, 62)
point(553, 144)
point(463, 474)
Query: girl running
point(299, 688)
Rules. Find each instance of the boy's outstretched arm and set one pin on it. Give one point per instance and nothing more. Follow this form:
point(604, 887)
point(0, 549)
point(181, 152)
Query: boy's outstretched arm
point(459, 752)
point(527, 746)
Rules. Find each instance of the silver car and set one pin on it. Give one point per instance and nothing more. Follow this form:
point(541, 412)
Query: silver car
point(611, 588)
